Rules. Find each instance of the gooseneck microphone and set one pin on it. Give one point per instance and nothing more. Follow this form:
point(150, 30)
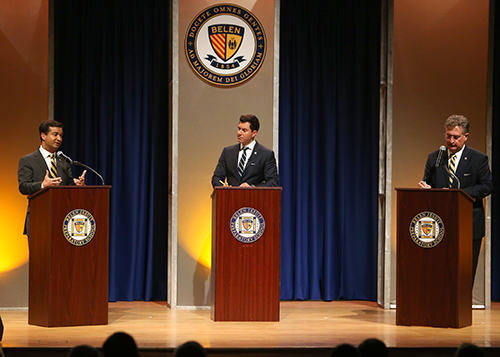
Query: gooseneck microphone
point(439, 160)
point(67, 158)
point(452, 174)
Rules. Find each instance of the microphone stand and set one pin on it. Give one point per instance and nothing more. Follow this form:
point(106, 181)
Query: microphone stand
point(67, 158)
point(452, 174)
point(94, 171)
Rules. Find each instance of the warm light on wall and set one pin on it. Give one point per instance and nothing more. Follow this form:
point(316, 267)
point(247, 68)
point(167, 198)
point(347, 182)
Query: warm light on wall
point(196, 238)
point(24, 48)
point(13, 245)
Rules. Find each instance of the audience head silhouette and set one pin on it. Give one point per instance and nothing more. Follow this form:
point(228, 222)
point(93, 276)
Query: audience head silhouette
point(344, 350)
point(120, 344)
point(372, 347)
point(84, 351)
point(190, 349)
point(469, 350)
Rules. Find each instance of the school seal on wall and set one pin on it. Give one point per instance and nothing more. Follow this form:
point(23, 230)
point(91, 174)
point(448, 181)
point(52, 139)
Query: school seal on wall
point(225, 45)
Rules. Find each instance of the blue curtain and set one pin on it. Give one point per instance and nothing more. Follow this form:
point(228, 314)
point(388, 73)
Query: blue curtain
point(328, 150)
point(111, 92)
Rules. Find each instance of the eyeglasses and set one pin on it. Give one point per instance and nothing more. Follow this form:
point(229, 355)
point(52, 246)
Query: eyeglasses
point(454, 137)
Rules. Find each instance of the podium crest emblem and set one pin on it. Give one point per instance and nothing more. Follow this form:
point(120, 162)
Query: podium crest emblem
point(427, 229)
point(79, 227)
point(247, 225)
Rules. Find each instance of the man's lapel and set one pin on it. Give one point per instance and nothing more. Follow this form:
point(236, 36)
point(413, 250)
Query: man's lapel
point(232, 163)
point(40, 161)
point(464, 162)
point(251, 159)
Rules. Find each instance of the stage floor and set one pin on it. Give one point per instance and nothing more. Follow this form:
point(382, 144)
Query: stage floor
point(302, 325)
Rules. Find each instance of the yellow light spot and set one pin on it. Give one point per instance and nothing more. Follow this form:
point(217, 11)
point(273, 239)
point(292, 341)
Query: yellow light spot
point(13, 244)
point(195, 235)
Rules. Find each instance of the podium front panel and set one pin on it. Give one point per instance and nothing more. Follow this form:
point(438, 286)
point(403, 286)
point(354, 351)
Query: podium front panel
point(68, 284)
point(245, 275)
point(434, 280)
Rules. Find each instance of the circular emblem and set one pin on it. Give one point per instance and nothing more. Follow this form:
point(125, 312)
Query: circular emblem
point(79, 227)
point(247, 225)
point(225, 45)
point(427, 229)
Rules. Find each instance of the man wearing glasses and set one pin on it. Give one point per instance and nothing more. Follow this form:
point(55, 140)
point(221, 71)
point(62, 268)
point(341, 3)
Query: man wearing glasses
point(461, 167)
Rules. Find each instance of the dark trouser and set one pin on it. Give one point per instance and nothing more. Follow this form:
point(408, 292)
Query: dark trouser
point(476, 249)
point(1, 329)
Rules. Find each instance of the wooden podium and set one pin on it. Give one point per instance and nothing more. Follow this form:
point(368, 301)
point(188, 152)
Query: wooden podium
point(68, 283)
point(246, 233)
point(434, 258)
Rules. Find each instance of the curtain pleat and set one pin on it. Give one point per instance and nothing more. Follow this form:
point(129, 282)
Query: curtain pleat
point(111, 92)
point(328, 153)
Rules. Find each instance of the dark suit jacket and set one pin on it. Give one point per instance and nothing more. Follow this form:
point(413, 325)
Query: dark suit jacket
point(31, 172)
point(475, 178)
point(260, 170)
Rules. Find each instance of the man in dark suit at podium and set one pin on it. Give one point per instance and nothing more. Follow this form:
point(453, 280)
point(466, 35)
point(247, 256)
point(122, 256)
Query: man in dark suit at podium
point(42, 168)
point(463, 168)
point(247, 163)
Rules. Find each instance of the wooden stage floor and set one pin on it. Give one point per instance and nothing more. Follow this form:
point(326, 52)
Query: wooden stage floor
point(311, 325)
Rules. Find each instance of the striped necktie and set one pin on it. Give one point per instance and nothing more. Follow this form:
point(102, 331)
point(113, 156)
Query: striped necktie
point(53, 166)
point(241, 164)
point(453, 163)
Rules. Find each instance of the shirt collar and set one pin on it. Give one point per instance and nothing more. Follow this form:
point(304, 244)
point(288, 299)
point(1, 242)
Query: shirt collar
point(458, 154)
point(44, 152)
point(250, 146)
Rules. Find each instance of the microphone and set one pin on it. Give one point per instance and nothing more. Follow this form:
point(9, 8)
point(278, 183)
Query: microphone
point(67, 158)
point(439, 160)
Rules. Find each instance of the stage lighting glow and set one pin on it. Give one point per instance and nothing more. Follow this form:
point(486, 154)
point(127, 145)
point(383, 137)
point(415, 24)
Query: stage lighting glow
point(195, 237)
point(13, 245)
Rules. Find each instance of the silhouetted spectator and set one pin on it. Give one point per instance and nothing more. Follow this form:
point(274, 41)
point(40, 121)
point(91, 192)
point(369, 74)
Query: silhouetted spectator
point(83, 351)
point(120, 344)
point(469, 350)
point(372, 347)
point(344, 350)
point(1, 335)
point(190, 349)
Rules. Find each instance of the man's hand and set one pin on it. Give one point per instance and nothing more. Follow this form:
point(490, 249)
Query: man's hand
point(81, 180)
point(423, 184)
point(244, 184)
point(47, 181)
